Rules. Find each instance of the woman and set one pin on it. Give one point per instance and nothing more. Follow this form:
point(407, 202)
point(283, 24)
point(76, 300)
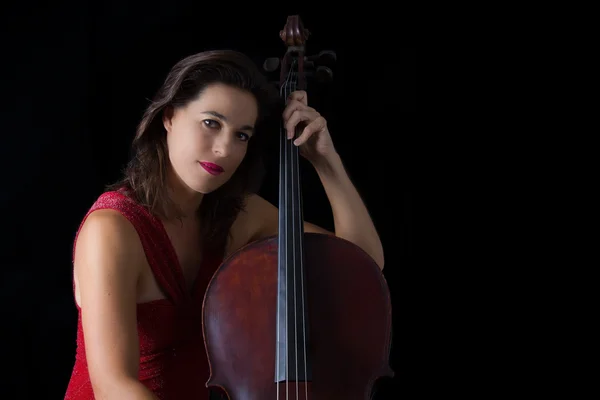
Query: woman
point(146, 249)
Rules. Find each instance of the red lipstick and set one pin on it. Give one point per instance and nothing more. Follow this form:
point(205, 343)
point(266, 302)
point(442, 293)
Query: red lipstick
point(211, 168)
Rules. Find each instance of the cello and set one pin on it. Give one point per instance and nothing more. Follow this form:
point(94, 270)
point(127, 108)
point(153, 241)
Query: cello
point(297, 315)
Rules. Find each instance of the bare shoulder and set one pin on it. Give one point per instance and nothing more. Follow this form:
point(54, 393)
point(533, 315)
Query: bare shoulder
point(107, 230)
point(257, 221)
point(260, 220)
point(263, 217)
point(107, 221)
point(107, 246)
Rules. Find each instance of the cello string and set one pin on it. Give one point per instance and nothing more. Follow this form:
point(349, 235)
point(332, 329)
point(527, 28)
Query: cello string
point(283, 243)
point(281, 250)
point(287, 151)
point(290, 242)
point(291, 170)
point(295, 231)
point(301, 266)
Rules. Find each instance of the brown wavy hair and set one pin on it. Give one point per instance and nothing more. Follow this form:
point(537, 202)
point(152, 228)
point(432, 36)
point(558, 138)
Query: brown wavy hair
point(145, 176)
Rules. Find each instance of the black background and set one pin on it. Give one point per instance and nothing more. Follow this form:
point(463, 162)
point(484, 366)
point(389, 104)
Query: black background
point(75, 81)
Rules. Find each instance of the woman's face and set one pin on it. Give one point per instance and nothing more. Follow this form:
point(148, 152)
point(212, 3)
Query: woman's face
point(208, 139)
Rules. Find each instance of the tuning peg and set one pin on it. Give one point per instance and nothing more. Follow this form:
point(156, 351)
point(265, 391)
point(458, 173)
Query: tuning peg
point(327, 57)
point(324, 57)
point(324, 74)
point(271, 64)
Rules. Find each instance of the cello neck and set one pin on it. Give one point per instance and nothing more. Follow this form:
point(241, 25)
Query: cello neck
point(291, 228)
point(292, 317)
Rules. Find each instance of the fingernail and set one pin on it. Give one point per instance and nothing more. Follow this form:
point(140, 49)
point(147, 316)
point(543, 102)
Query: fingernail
point(296, 142)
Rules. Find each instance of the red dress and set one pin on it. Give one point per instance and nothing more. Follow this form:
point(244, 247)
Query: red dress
point(173, 361)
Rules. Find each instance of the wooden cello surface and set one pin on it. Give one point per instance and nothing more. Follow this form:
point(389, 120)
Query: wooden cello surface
point(297, 315)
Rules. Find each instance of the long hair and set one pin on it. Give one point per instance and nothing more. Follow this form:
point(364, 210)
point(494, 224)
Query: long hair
point(145, 176)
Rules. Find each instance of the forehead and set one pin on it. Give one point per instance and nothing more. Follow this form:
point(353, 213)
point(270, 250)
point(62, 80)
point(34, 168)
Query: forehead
point(237, 105)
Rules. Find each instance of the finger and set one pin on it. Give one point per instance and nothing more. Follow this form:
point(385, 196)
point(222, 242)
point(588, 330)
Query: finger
point(299, 95)
point(317, 125)
point(291, 107)
point(297, 117)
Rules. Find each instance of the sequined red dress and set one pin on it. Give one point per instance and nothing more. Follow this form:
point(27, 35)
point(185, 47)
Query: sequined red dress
point(173, 361)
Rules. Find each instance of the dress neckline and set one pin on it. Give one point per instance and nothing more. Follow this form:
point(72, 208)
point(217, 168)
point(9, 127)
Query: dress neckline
point(189, 294)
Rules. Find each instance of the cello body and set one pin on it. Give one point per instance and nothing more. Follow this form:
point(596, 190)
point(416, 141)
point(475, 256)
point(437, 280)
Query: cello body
point(350, 322)
point(297, 315)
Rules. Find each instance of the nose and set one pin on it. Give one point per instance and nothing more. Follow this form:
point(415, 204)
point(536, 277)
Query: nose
point(222, 144)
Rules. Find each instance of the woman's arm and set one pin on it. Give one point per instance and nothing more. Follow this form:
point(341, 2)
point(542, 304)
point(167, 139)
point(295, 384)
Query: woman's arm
point(108, 261)
point(350, 215)
point(351, 218)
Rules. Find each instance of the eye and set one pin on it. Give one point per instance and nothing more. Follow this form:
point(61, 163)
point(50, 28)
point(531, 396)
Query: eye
point(243, 136)
point(211, 123)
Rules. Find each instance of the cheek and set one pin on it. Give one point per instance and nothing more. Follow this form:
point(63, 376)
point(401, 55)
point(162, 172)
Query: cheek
point(240, 154)
point(175, 145)
point(186, 143)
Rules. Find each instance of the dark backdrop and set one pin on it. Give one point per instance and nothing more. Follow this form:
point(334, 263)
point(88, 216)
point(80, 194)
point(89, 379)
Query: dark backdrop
point(75, 80)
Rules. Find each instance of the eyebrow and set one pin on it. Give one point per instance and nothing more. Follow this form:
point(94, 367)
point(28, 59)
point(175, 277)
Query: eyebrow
point(224, 118)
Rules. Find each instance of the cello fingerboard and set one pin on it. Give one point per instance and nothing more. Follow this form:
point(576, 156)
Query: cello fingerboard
point(292, 363)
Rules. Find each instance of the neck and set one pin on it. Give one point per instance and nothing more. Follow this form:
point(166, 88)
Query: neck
point(187, 200)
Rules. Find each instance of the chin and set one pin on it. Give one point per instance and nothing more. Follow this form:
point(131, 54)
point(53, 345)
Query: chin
point(204, 187)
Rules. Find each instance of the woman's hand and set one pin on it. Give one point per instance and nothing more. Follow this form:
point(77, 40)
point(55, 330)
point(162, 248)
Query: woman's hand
point(315, 141)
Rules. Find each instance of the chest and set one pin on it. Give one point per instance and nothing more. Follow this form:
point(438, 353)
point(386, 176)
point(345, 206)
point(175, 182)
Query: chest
point(186, 241)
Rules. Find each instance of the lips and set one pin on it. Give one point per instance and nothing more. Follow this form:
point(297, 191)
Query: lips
point(211, 168)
